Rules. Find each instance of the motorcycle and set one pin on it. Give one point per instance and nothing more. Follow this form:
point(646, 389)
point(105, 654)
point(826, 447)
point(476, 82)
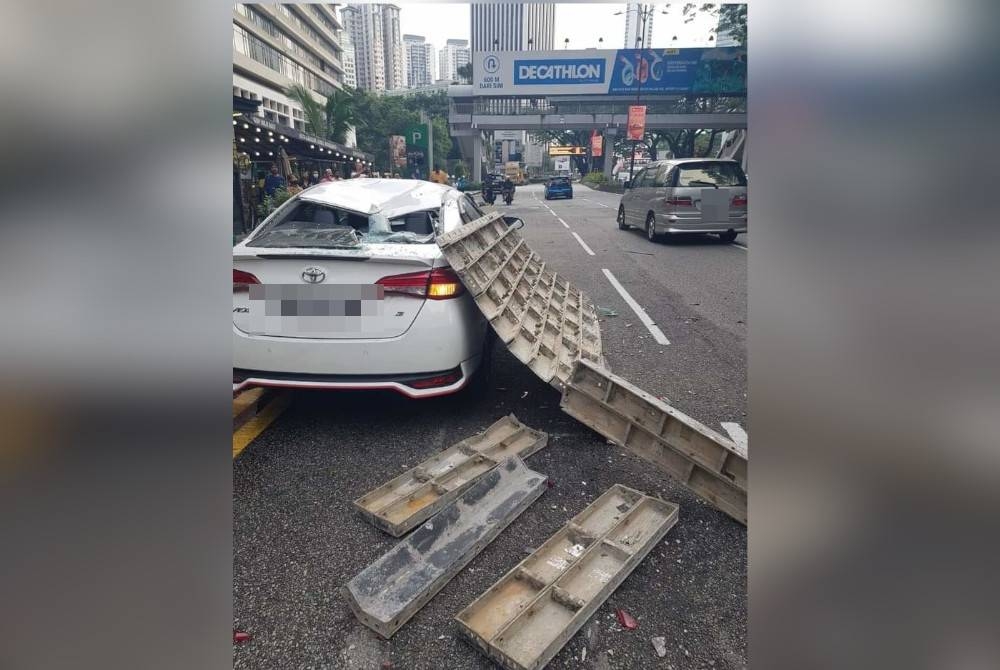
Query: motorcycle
point(489, 196)
point(508, 197)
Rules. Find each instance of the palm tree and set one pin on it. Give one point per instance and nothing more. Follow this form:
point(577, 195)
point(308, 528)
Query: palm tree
point(340, 114)
point(314, 116)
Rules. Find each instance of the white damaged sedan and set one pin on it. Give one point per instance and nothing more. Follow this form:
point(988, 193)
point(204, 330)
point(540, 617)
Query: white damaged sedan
point(344, 287)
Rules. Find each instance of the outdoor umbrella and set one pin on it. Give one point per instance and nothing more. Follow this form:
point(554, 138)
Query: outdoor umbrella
point(284, 165)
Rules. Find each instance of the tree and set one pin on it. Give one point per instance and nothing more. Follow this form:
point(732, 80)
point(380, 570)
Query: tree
point(733, 18)
point(340, 115)
point(442, 142)
point(465, 73)
point(313, 113)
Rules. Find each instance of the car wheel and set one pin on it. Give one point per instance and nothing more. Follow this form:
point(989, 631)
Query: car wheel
point(651, 234)
point(621, 219)
point(481, 380)
point(728, 236)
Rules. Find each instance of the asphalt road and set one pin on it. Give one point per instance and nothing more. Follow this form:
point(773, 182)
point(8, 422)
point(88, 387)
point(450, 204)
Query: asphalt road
point(297, 540)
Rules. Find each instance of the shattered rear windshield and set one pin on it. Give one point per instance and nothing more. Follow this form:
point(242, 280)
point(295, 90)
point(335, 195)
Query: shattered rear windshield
point(314, 225)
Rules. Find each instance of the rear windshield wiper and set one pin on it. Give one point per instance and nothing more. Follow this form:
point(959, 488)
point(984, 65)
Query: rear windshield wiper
point(703, 183)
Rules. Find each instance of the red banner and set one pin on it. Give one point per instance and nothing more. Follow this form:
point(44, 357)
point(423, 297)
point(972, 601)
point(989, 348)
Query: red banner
point(636, 122)
point(596, 144)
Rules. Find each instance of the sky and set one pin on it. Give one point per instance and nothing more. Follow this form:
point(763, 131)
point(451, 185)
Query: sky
point(583, 23)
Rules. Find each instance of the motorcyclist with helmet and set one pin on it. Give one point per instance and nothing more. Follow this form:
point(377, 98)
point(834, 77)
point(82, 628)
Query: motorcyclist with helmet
point(507, 189)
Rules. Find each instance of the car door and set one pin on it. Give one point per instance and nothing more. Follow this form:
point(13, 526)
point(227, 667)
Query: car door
point(647, 193)
point(635, 214)
point(657, 190)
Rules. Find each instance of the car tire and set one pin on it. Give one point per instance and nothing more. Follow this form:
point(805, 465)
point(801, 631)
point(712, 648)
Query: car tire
point(481, 380)
point(651, 233)
point(621, 219)
point(728, 236)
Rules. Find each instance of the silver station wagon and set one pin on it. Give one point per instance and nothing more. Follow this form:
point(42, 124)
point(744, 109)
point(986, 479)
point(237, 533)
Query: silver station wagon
point(686, 195)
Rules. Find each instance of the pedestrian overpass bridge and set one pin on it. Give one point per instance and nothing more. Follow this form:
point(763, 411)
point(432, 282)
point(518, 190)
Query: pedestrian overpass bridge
point(593, 89)
point(469, 116)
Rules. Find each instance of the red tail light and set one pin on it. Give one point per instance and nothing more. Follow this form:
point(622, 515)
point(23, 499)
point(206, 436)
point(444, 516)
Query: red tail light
point(739, 200)
point(679, 202)
point(446, 379)
point(436, 284)
point(242, 280)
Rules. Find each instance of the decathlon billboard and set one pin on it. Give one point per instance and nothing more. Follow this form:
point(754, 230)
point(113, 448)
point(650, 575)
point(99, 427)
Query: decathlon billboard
point(696, 71)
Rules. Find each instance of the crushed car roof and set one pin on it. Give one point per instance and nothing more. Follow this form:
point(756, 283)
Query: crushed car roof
point(390, 196)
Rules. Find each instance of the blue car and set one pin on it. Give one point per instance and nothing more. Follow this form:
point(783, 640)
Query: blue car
point(558, 187)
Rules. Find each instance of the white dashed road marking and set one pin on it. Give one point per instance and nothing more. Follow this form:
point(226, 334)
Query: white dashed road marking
point(565, 225)
point(737, 433)
point(582, 243)
point(740, 246)
point(651, 326)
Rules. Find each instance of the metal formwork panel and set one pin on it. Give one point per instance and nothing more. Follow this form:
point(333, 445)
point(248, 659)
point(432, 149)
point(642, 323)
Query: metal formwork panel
point(708, 463)
point(392, 589)
point(544, 321)
point(524, 619)
point(413, 497)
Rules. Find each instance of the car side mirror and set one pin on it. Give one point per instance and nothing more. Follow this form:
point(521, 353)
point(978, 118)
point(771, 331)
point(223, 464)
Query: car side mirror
point(628, 184)
point(513, 222)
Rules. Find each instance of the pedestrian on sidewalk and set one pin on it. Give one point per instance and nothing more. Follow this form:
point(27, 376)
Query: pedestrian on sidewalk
point(327, 175)
point(273, 182)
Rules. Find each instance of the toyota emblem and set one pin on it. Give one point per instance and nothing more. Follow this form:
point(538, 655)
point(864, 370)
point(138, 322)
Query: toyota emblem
point(313, 275)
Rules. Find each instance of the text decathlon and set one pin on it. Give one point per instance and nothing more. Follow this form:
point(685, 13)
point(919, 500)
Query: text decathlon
point(581, 71)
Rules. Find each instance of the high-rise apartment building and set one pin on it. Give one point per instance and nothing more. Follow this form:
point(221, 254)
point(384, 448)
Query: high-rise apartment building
point(364, 24)
point(454, 55)
point(378, 45)
point(419, 61)
point(633, 27)
point(512, 26)
point(392, 42)
point(276, 46)
point(349, 60)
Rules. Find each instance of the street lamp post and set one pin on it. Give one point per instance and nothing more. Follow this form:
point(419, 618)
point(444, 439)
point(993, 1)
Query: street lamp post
point(644, 11)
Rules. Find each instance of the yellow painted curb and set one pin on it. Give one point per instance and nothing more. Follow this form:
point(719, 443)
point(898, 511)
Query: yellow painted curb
point(255, 426)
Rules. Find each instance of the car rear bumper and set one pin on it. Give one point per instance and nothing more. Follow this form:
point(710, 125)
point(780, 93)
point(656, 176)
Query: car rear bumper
point(407, 385)
point(674, 224)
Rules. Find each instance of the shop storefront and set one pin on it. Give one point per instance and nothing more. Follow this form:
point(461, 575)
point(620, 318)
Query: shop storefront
point(258, 145)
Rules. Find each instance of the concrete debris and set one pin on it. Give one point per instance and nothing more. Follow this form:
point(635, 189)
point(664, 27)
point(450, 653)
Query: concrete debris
point(544, 321)
point(711, 465)
point(392, 589)
point(660, 645)
point(524, 619)
point(413, 497)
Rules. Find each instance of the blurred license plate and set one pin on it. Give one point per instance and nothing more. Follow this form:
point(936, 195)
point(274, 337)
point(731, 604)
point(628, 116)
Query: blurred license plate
point(297, 309)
